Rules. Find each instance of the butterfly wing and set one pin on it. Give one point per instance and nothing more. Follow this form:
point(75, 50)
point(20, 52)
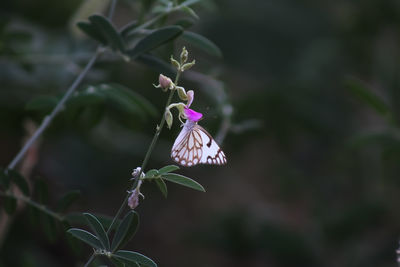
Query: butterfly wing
point(195, 145)
point(187, 149)
point(212, 153)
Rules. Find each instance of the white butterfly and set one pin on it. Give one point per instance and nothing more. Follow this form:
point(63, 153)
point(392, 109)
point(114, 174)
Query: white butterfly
point(194, 145)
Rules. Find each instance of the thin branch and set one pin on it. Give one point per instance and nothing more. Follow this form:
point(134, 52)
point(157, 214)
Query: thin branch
point(32, 203)
point(49, 118)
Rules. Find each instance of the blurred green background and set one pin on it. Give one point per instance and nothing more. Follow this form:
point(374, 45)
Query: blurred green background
point(313, 144)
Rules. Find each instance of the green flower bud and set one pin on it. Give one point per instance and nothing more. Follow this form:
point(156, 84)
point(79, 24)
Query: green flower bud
point(181, 93)
point(175, 63)
point(184, 55)
point(188, 65)
point(168, 118)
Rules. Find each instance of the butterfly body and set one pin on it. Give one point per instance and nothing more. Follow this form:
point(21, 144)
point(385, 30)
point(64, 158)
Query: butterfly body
point(194, 145)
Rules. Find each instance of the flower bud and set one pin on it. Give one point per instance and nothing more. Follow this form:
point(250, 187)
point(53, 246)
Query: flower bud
point(181, 93)
point(133, 200)
point(188, 65)
point(175, 63)
point(184, 55)
point(168, 118)
point(165, 82)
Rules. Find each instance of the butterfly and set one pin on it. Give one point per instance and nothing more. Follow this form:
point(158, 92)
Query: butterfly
point(194, 145)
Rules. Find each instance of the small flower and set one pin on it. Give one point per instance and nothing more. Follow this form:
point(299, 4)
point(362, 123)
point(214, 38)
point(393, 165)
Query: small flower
point(164, 83)
point(192, 115)
point(133, 200)
point(135, 173)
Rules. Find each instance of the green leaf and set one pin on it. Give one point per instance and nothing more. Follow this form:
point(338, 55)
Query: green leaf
point(10, 205)
point(169, 168)
point(154, 40)
point(157, 64)
point(151, 173)
point(135, 257)
point(126, 230)
point(20, 181)
point(183, 180)
point(185, 22)
point(125, 30)
point(190, 12)
point(358, 89)
point(162, 186)
point(104, 25)
point(189, 2)
point(92, 31)
point(42, 103)
point(78, 218)
point(202, 43)
point(66, 200)
point(86, 237)
point(127, 100)
point(98, 229)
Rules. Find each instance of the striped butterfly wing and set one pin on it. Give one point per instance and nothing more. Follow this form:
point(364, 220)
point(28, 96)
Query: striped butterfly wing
point(195, 145)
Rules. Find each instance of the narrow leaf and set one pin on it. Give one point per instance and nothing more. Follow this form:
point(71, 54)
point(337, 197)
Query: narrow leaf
point(151, 173)
point(189, 2)
point(202, 43)
point(169, 168)
point(183, 180)
point(157, 64)
point(92, 31)
point(128, 28)
point(20, 181)
point(126, 230)
point(162, 186)
point(154, 40)
point(98, 229)
point(126, 100)
point(86, 237)
point(66, 200)
point(190, 12)
point(368, 97)
point(43, 103)
point(105, 26)
point(185, 22)
point(134, 257)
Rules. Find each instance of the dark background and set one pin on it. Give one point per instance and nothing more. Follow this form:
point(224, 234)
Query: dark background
point(312, 174)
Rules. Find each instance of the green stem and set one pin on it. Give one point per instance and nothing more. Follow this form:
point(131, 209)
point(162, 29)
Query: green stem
point(148, 154)
point(32, 203)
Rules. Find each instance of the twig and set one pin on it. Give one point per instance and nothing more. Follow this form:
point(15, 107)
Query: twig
point(48, 119)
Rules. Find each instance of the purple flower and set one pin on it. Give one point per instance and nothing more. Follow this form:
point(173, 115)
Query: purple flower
point(133, 200)
point(192, 115)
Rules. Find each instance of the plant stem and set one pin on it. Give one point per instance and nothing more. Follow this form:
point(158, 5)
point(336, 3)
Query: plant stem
point(148, 154)
point(29, 201)
point(49, 118)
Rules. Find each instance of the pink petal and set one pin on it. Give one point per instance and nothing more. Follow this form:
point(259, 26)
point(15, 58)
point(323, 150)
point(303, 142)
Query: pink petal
point(190, 96)
point(192, 115)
